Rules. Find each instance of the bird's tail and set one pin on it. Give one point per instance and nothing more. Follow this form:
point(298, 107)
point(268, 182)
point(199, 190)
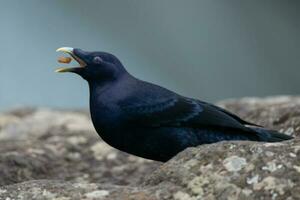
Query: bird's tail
point(269, 135)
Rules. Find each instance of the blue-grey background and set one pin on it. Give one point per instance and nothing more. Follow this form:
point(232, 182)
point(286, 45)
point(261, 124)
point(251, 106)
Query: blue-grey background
point(209, 49)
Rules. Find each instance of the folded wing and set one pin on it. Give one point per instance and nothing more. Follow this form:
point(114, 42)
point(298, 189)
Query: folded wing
point(182, 112)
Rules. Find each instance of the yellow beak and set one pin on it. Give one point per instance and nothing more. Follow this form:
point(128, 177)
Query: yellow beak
point(69, 50)
point(64, 69)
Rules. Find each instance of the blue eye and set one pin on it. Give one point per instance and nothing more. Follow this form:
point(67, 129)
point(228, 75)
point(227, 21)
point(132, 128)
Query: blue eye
point(97, 60)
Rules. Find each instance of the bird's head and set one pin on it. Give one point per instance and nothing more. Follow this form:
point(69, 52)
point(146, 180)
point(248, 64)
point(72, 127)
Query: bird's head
point(93, 66)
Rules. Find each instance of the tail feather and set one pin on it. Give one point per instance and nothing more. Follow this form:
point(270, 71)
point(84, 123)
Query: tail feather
point(270, 135)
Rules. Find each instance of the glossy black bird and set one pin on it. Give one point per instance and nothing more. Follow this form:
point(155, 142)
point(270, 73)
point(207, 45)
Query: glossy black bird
point(150, 121)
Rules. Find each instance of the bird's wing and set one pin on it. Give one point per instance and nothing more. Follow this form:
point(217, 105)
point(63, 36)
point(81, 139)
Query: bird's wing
point(179, 111)
point(232, 115)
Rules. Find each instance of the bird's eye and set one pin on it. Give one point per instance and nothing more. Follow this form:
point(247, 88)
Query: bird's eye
point(97, 60)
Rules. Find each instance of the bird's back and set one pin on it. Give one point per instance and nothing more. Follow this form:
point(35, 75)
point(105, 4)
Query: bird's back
point(153, 122)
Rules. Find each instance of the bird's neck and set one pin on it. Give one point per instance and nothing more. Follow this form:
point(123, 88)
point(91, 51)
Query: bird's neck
point(98, 87)
point(102, 109)
point(103, 96)
point(98, 108)
point(98, 97)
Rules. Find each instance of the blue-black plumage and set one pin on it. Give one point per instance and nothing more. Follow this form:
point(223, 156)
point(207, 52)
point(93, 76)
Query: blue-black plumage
point(150, 121)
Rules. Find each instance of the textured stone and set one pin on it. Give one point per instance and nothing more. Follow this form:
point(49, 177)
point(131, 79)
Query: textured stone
point(76, 164)
point(281, 113)
point(46, 144)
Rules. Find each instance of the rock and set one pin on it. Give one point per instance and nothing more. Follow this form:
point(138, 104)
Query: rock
point(76, 164)
point(52, 144)
point(234, 170)
point(41, 122)
point(281, 113)
point(234, 163)
point(197, 173)
point(62, 190)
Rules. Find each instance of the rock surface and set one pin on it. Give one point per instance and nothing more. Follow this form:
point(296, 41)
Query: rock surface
point(62, 148)
point(51, 144)
point(281, 113)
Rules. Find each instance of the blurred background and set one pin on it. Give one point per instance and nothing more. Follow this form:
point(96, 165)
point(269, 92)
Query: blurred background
point(208, 49)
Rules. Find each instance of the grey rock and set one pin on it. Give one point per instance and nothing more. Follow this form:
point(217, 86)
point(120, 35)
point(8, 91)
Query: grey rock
point(62, 190)
point(281, 113)
point(234, 170)
point(52, 144)
point(63, 149)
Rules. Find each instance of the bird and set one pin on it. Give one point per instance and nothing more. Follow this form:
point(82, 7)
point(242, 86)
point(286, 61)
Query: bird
point(150, 121)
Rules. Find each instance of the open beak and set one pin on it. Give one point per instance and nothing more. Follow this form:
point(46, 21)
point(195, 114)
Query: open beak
point(70, 51)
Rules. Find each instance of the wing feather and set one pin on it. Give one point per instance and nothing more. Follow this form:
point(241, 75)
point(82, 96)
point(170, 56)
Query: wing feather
point(180, 111)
